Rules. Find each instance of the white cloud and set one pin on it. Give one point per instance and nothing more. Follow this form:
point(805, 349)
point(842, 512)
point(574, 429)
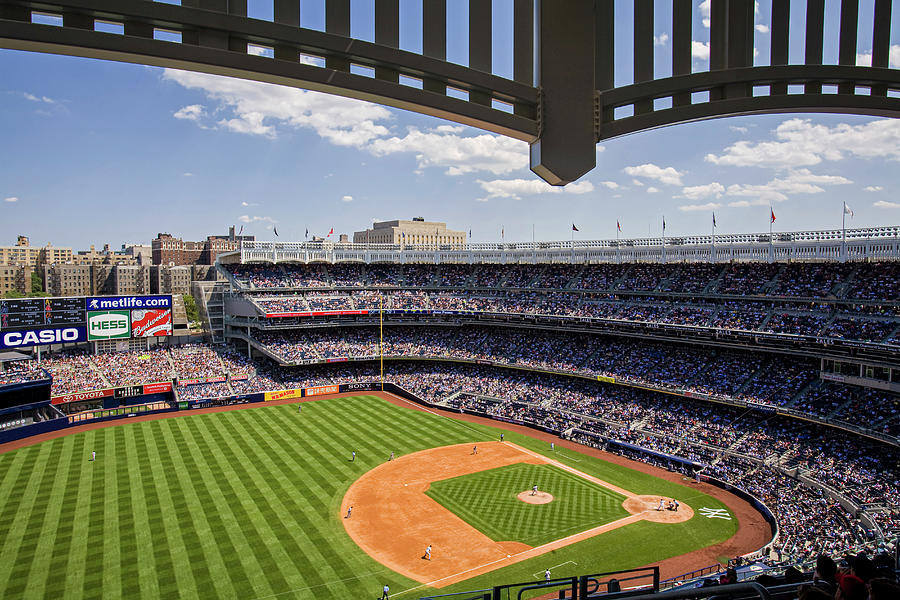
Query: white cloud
point(873, 188)
point(42, 99)
point(194, 112)
point(245, 203)
point(747, 203)
point(762, 28)
point(652, 190)
point(699, 207)
point(886, 204)
point(637, 182)
point(11, 199)
point(667, 175)
point(347, 198)
point(738, 128)
point(256, 219)
point(705, 8)
point(800, 181)
point(255, 50)
point(444, 148)
point(865, 59)
point(610, 184)
point(800, 143)
point(661, 39)
point(700, 50)
point(516, 188)
point(187, 174)
point(699, 192)
point(266, 109)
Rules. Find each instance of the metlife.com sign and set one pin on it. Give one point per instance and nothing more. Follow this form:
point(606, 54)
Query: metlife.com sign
point(127, 302)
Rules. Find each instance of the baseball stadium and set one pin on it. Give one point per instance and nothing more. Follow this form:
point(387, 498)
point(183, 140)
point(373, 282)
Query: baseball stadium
point(541, 420)
point(421, 416)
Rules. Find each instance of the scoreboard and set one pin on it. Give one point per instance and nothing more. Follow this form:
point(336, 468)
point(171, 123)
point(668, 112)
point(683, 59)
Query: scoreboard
point(29, 313)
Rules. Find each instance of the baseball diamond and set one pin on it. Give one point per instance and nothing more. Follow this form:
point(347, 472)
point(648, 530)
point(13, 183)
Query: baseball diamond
point(248, 504)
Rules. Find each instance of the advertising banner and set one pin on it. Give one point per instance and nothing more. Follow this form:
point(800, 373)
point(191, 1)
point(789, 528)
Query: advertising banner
point(606, 379)
point(109, 325)
point(39, 336)
point(283, 395)
point(129, 391)
point(157, 388)
point(149, 323)
point(127, 302)
point(92, 395)
point(321, 390)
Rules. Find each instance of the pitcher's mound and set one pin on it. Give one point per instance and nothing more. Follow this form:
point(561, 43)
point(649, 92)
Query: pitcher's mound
point(537, 498)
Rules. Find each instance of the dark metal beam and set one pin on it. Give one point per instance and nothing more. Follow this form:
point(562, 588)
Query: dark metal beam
point(881, 40)
point(718, 41)
point(434, 38)
point(681, 44)
point(847, 43)
point(337, 21)
point(643, 48)
point(740, 42)
point(287, 12)
point(387, 33)
point(779, 34)
point(565, 149)
point(480, 48)
point(605, 44)
point(523, 46)
point(815, 27)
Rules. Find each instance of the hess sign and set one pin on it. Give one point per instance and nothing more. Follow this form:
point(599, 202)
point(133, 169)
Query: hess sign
point(109, 325)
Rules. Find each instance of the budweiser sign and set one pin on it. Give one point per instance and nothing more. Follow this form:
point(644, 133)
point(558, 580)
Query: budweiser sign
point(149, 323)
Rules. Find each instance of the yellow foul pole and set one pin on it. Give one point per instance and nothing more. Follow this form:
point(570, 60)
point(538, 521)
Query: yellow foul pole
point(381, 337)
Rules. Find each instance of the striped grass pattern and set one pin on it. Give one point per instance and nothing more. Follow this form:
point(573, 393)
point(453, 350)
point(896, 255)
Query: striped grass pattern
point(487, 501)
point(241, 504)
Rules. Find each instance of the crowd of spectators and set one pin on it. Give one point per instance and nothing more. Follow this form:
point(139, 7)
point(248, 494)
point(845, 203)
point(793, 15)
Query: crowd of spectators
point(833, 320)
point(862, 281)
point(23, 371)
point(746, 376)
point(78, 371)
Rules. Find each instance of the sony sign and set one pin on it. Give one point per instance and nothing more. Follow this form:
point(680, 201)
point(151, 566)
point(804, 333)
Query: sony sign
point(109, 325)
point(41, 336)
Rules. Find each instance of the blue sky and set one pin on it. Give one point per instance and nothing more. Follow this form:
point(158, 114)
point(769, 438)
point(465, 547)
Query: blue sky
point(101, 152)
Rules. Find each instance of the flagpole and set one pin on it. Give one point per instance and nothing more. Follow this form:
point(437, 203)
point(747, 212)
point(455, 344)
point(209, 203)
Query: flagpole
point(844, 232)
point(771, 221)
point(618, 257)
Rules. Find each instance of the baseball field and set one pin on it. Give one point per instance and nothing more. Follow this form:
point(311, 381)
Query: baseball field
point(253, 503)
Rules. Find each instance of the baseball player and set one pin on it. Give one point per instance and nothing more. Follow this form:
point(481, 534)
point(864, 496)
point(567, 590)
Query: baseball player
point(384, 592)
point(428, 552)
point(661, 504)
point(501, 437)
point(93, 455)
point(534, 490)
point(552, 446)
point(547, 575)
point(474, 449)
point(392, 455)
point(299, 408)
point(353, 456)
point(349, 510)
point(674, 504)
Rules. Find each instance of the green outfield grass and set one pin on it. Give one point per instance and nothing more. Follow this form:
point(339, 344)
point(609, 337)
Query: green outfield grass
point(245, 504)
point(487, 501)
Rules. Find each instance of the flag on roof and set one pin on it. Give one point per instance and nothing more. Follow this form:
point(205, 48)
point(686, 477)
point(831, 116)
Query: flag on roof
point(574, 228)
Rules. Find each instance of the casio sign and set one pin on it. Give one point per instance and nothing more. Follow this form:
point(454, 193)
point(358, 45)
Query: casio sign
point(15, 339)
